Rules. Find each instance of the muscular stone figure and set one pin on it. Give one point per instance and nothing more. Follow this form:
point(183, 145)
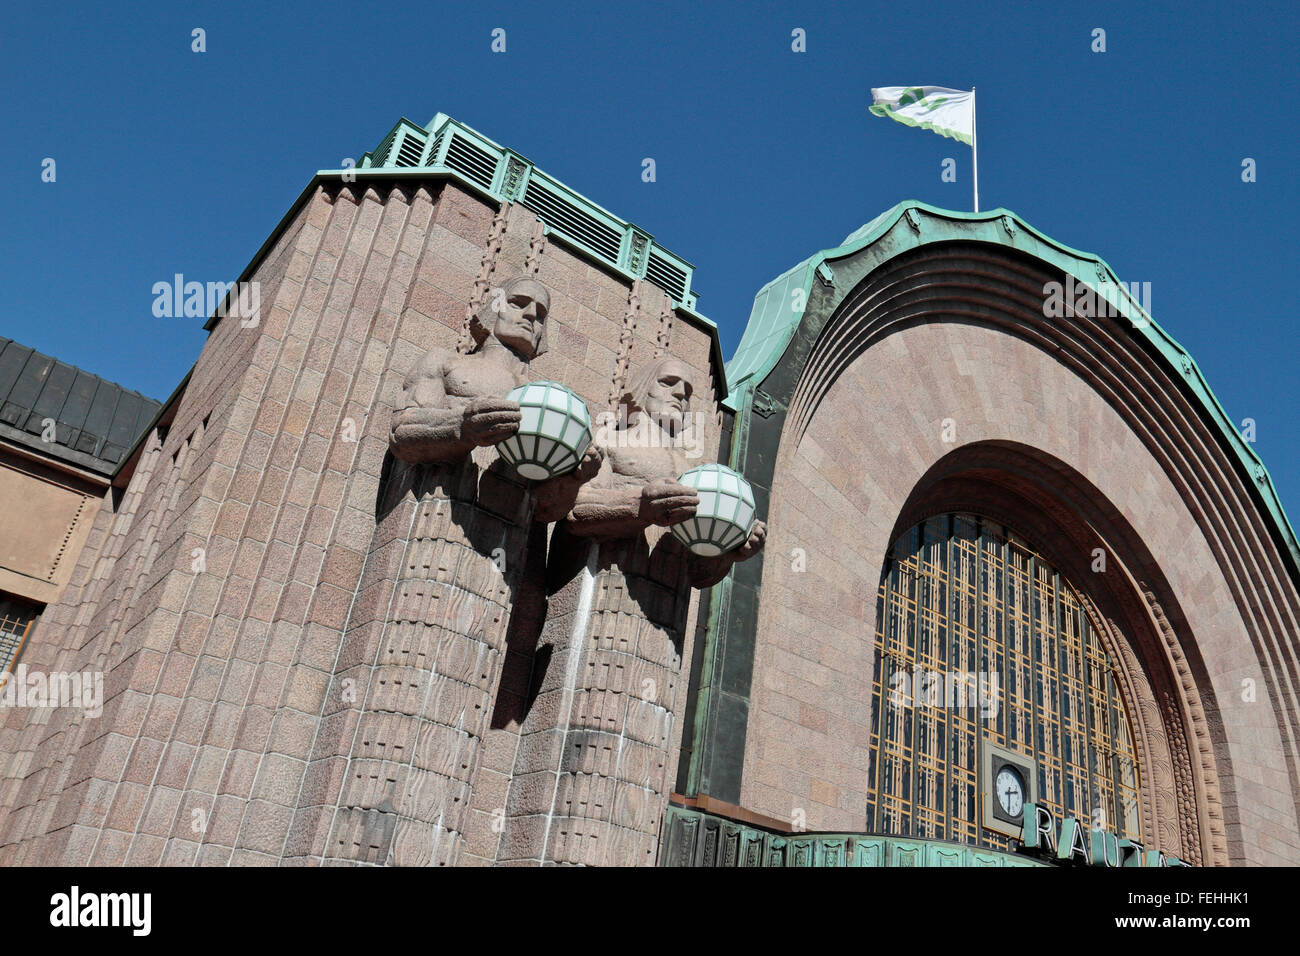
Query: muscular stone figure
point(452, 403)
point(637, 485)
point(595, 751)
point(447, 620)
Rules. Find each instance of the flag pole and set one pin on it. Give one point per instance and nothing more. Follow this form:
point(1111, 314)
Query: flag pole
point(974, 149)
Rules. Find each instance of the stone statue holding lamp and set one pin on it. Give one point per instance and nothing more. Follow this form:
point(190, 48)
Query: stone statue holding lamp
point(452, 403)
point(637, 483)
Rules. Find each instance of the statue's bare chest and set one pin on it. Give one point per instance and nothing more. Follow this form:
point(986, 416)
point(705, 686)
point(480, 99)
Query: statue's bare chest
point(471, 377)
point(642, 464)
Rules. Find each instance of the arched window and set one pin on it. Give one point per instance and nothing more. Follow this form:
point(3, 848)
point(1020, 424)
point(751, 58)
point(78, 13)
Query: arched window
point(982, 644)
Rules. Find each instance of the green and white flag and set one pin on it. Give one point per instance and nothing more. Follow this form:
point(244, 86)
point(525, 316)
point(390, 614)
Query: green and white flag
point(946, 112)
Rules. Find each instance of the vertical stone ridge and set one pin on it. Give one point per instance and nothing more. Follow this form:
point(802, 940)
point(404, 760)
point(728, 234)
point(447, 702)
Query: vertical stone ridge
point(483, 281)
point(343, 658)
point(536, 246)
point(663, 336)
point(254, 811)
point(625, 340)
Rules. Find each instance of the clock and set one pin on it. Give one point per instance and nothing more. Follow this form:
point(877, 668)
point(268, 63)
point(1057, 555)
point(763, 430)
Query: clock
point(1008, 782)
point(1009, 788)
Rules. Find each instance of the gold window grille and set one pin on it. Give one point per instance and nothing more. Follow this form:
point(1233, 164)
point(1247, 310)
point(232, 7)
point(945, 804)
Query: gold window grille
point(17, 618)
point(963, 595)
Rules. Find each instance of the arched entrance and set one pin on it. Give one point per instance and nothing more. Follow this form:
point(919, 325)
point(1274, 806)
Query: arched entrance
point(983, 645)
point(1065, 522)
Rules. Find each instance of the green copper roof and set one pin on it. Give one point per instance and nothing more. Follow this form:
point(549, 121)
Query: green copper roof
point(445, 149)
point(774, 320)
point(449, 145)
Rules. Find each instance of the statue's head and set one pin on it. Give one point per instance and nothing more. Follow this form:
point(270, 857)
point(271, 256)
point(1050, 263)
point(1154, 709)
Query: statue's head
point(516, 314)
point(662, 392)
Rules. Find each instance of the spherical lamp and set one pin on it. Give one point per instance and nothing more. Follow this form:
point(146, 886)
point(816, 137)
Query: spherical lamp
point(725, 515)
point(554, 431)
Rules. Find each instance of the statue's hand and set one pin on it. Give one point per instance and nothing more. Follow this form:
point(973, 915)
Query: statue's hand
point(754, 543)
point(666, 502)
point(488, 420)
point(589, 467)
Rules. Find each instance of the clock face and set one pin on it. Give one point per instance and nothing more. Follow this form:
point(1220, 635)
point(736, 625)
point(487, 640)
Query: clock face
point(1010, 789)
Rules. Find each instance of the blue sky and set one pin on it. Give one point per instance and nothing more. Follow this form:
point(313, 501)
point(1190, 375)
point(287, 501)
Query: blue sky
point(173, 161)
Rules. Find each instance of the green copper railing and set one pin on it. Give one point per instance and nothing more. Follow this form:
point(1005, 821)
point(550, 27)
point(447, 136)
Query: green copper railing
point(694, 838)
point(445, 145)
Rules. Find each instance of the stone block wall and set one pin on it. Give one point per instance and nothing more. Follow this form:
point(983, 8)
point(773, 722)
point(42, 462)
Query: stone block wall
point(244, 574)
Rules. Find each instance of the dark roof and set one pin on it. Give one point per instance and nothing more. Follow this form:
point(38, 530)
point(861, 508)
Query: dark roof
point(96, 421)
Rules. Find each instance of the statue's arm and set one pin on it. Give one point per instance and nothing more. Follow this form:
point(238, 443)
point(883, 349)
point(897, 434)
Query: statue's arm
point(608, 509)
point(603, 509)
point(586, 498)
point(426, 426)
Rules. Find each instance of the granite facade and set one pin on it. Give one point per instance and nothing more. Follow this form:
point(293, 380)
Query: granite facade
point(237, 596)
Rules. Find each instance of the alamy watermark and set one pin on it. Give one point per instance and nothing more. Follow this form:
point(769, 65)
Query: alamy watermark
point(613, 430)
point(1074, 297)
point(33, 688)
point(958, 690)
point(198, 300)
point(74, 909)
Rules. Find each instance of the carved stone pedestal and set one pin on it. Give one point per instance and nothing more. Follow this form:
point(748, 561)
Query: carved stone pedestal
point(590, 777)
point(434, 677)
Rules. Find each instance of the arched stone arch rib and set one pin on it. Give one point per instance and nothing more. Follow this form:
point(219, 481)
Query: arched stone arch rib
point(974, 295)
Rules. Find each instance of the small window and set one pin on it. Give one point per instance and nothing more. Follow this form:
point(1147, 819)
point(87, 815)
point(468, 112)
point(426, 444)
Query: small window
point(17, 618)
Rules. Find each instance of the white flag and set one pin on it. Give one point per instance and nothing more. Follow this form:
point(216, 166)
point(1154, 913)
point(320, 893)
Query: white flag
point(946, 112)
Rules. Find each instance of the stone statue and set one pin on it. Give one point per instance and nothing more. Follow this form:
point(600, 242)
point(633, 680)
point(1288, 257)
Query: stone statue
point(453, 602)
point(636, 485)
point(452, 403)
point(618, 601)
